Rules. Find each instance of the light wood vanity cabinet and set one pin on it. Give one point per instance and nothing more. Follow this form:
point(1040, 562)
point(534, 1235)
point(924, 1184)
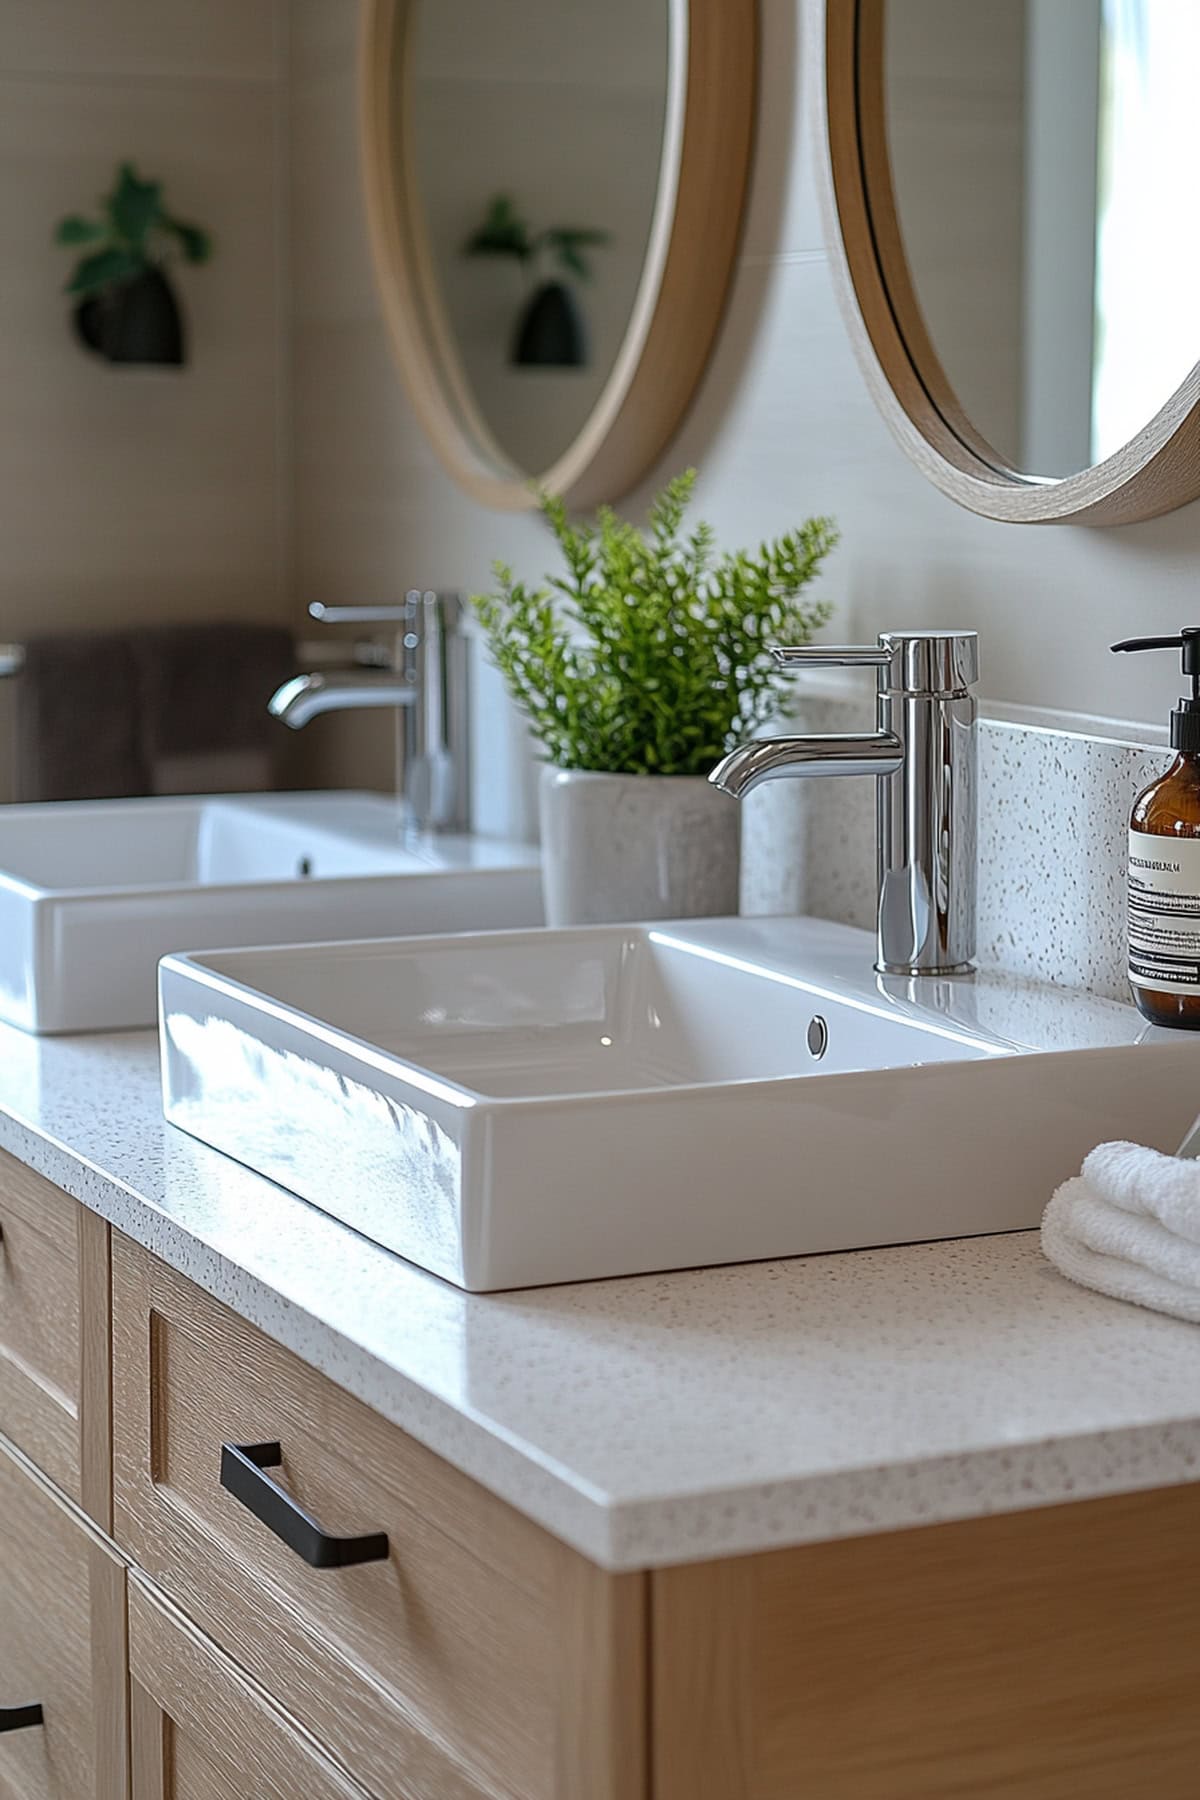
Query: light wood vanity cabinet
point(54, 1334)
point(470, 1656)
point(473, 1657)
point(201, 1730)
point(62, 1646)
point(1044, 1655)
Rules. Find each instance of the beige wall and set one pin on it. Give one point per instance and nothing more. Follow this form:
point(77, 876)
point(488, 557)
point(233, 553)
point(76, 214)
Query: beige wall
point(782, 426)
point(125, 493)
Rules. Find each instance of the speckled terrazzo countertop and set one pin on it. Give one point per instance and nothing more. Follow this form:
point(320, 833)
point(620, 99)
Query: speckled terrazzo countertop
point(664, 1418)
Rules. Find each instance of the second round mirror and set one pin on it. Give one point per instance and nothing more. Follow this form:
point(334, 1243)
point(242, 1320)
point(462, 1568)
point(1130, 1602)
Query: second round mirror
point(1042, 168)
point(1011, 181)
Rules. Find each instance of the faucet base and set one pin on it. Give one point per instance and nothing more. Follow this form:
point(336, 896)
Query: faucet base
point(911, 969)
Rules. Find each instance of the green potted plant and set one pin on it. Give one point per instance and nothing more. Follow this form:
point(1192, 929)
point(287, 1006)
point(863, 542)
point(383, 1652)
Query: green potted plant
point(125, 304)
point(637, 670)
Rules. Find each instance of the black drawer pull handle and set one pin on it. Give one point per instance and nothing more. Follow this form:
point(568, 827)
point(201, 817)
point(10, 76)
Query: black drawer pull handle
point(242, 1475)
point(19, 1718)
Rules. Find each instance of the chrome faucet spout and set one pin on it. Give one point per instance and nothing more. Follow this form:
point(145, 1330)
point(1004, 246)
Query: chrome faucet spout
point(795, 758)
point(923, 754)
point(304, 697)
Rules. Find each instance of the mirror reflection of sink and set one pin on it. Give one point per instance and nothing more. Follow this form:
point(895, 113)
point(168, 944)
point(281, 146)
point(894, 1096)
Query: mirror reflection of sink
point(522, 1108)
point(92, 893)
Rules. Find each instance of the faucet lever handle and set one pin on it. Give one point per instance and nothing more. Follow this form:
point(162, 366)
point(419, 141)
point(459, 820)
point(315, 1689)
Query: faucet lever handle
point(359, 615)
point(815, 656)
point(916, 662)
point(417, 602)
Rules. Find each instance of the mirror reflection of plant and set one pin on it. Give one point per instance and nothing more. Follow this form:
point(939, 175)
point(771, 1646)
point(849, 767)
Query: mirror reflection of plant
point(133, 234)
point(652, 655)
point(505, 233)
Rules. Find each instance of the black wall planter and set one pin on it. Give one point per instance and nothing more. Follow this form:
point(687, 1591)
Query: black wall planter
point(138, 322)
point(551, 332)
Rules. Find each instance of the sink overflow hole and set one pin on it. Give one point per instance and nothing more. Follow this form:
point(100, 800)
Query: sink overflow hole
point(818, 1036)
point(304, 867)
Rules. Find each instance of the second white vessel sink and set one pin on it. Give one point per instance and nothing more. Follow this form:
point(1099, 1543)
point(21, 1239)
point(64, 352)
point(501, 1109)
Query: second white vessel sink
point(522, 1108)
point(93, 893)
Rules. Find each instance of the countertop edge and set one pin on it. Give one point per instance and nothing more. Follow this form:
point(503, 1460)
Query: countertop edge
point(650, 1531)
point(865, 1501)
point(514, 1473)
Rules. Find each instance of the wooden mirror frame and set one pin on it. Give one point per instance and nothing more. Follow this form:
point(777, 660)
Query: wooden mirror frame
point(690, 258)
point(1155, 472)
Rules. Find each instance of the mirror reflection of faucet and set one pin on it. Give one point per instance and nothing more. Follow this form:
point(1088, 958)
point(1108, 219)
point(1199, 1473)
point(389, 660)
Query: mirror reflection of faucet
point(424, 678)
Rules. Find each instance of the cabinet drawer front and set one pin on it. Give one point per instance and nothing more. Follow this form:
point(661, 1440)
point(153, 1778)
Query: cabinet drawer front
point(39, 1322)
point(202, 1730)
point(61, 1647)
point(474, 1657)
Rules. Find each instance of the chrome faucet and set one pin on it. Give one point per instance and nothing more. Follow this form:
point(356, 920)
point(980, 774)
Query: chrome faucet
point(923, 753)
point(423, 674)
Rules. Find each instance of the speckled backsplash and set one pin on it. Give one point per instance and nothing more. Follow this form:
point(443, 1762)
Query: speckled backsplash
point(1053, 816)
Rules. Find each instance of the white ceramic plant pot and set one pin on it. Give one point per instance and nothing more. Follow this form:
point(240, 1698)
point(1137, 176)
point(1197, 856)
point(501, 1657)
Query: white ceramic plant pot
point(619, 847)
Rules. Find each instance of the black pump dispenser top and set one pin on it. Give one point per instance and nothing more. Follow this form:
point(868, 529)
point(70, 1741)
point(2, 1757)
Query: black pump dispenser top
point(1185, 718)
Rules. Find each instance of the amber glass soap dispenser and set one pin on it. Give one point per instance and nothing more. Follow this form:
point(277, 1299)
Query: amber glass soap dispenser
point(1164, 863)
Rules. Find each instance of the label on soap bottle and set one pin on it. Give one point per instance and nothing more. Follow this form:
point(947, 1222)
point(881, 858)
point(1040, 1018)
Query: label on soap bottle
point(1164, 913)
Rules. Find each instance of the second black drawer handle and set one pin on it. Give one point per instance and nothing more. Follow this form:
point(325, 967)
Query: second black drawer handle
point(242, 1467)
point(19, 1718)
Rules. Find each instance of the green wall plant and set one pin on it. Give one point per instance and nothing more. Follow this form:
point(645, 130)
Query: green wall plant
point(651, 656)
point(505, 232)
point(133, 234)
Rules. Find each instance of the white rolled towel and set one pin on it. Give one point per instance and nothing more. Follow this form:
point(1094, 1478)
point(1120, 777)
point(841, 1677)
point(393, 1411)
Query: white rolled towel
point(1129, 1225)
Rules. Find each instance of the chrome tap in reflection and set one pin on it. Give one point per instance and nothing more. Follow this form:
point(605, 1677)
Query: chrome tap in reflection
point(305, 697)
point(424, 680)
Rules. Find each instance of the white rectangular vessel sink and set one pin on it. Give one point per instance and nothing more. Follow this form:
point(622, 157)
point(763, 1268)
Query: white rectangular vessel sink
point(522, 1108)
point(92, 893)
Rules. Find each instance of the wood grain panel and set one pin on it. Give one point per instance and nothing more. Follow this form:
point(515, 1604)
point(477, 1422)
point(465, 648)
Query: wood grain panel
point(93, 1239)
point(599, 1625)
point(40, 1338)
point(62, 1644)
point(1044, 1655)
point(107, 1598)
point(481, 1659)
point(202, 1730)
point(149, 1750)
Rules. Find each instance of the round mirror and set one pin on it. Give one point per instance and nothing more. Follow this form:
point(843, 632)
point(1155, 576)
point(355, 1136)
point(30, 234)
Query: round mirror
point(555, 191)
point(1011, 181)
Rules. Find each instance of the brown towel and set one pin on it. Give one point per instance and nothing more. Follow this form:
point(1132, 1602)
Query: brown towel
point(77, 735)
point(202, 705)
point(172, 709)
